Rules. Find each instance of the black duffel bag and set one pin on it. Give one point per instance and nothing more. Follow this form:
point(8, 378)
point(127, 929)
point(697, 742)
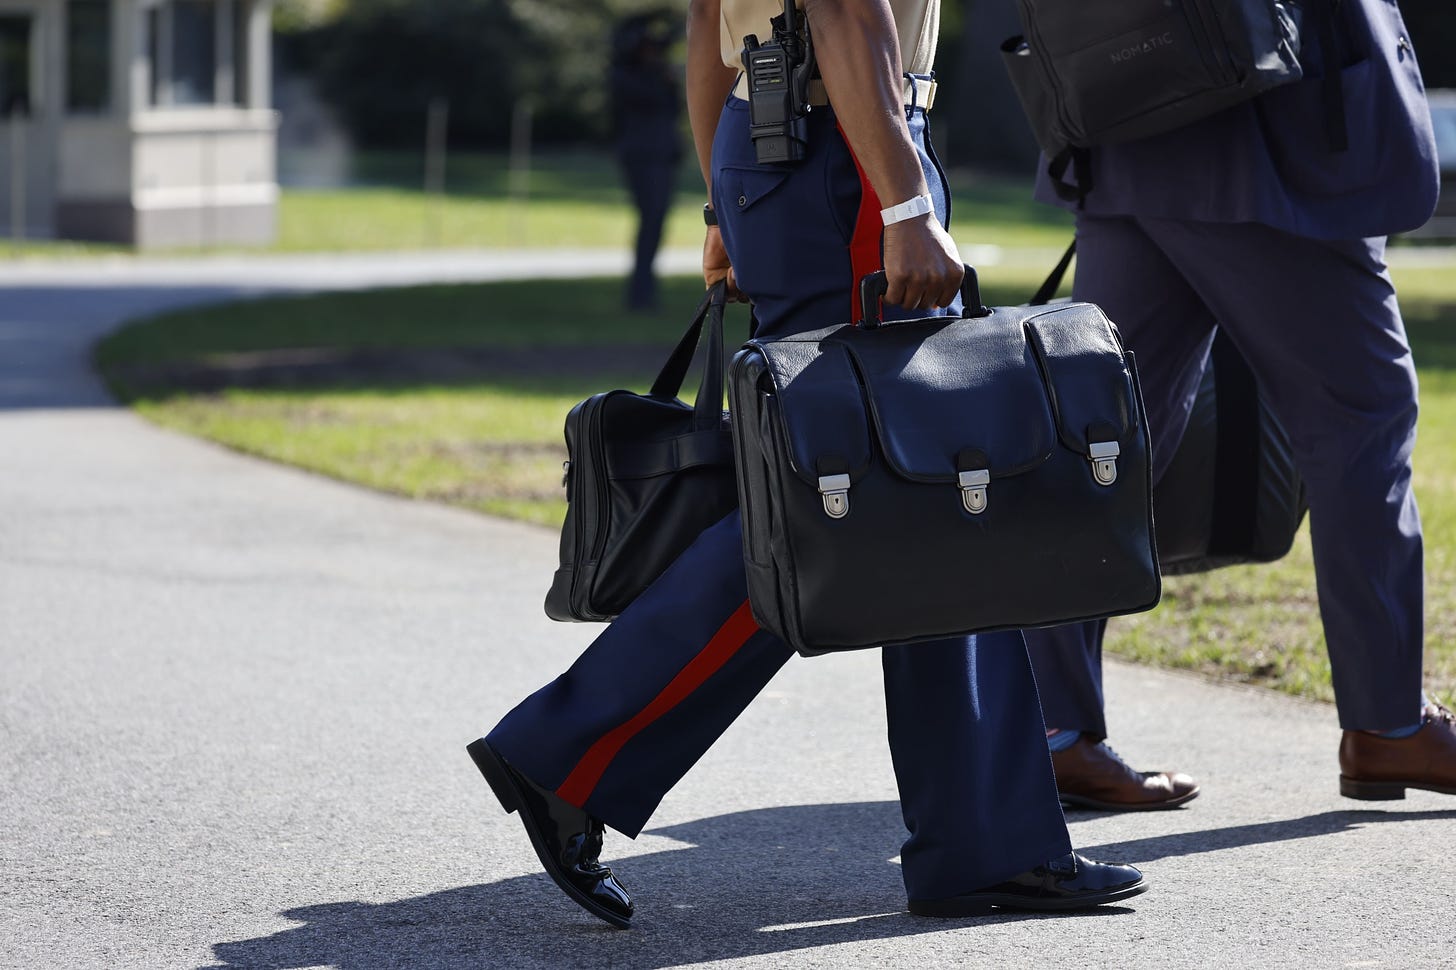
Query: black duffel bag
point(942, 476)
point(1231, 493)
point(645, 475)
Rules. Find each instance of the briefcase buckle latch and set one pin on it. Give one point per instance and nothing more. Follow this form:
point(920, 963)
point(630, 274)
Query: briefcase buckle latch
point(1103, 456)
point(973, 489)
point(835, 489)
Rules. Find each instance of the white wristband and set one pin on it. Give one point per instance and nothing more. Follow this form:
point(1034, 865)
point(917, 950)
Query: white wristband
point(918, 206)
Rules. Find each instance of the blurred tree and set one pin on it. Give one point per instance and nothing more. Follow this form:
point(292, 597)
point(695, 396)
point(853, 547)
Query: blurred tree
point(292, 16)
point(380, 63)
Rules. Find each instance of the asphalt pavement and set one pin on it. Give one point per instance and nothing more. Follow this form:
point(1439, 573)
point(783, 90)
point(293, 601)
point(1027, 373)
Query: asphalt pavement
point(234, 700)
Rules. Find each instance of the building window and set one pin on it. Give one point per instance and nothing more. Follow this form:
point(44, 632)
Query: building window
point(194, 52)
point(88, 56)
point(197, 54)
point(15, 67)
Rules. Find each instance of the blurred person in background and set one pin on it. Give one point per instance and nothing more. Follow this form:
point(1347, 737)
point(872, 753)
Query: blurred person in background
point(646, 101)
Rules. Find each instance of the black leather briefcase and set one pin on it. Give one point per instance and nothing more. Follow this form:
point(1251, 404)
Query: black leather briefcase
point(942, 476)
point(645, 474)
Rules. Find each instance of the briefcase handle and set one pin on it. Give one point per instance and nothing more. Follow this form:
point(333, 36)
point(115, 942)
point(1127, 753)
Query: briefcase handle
point(872, 289)
point(708, 409)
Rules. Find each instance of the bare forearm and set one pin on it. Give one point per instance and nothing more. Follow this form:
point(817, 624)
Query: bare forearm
point(708, 80)
point(859, 58)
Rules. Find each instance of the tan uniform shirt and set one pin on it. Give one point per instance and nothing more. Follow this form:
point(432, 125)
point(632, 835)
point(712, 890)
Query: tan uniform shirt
point(918, 23)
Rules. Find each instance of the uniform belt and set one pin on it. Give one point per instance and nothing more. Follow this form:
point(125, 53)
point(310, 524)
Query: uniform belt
point(918, 92)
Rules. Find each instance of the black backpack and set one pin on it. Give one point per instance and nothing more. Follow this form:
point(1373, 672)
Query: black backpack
point(1095, 73)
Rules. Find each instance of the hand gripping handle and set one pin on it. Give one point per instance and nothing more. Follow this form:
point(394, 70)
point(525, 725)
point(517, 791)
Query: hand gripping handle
point(872, 289)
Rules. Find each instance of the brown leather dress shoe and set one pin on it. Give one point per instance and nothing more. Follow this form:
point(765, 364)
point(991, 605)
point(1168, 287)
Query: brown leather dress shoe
point(1377, 769)
point(1091, 775)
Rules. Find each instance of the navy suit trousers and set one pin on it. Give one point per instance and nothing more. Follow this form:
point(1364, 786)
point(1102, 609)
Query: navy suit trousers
point(643, 703)
point(1318, 323)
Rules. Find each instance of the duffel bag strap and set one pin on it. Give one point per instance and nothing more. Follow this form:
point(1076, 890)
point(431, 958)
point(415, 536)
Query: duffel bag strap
point(708, 409)
point(1053, 282)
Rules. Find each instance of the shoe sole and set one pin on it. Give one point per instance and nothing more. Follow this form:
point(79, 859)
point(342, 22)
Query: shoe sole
point(981, 904)
point(1385, 791)
point(1079, 801)
point(510, 797)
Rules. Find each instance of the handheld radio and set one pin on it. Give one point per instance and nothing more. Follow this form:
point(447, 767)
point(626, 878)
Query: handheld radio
point(778, 83)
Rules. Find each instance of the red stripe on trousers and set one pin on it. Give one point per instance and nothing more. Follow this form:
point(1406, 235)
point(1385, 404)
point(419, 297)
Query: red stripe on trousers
point(864, 247)
point(731, 636)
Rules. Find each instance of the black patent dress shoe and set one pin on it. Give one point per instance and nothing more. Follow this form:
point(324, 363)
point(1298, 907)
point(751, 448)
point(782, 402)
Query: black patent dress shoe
point(567, 840)
point(1071, 882)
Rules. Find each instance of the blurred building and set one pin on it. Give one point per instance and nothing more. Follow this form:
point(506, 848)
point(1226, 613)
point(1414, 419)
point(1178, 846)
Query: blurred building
point(137, 121)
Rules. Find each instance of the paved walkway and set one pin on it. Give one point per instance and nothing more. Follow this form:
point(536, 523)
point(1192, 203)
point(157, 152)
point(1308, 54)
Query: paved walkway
point(234, 699)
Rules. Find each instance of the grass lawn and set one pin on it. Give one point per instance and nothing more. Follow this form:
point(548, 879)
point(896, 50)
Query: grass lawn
point(572, 199)
point(11, 249)
point(575, 199)
point(569, 199)
point(393, 219)
point(492, 441)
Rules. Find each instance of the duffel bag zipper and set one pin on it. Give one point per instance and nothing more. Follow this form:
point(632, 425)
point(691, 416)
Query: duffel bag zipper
point(575, 482)
point(573, 498)
point(599, 460)
point(599, 463)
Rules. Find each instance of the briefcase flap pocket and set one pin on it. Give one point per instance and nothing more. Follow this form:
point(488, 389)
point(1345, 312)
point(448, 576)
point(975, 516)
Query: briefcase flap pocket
point(1087, 376)
point(954, 396)
point(820, 405)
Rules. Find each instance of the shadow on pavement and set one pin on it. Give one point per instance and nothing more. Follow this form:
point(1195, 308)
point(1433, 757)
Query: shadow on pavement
point(751, 883)
point(1141, 851)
